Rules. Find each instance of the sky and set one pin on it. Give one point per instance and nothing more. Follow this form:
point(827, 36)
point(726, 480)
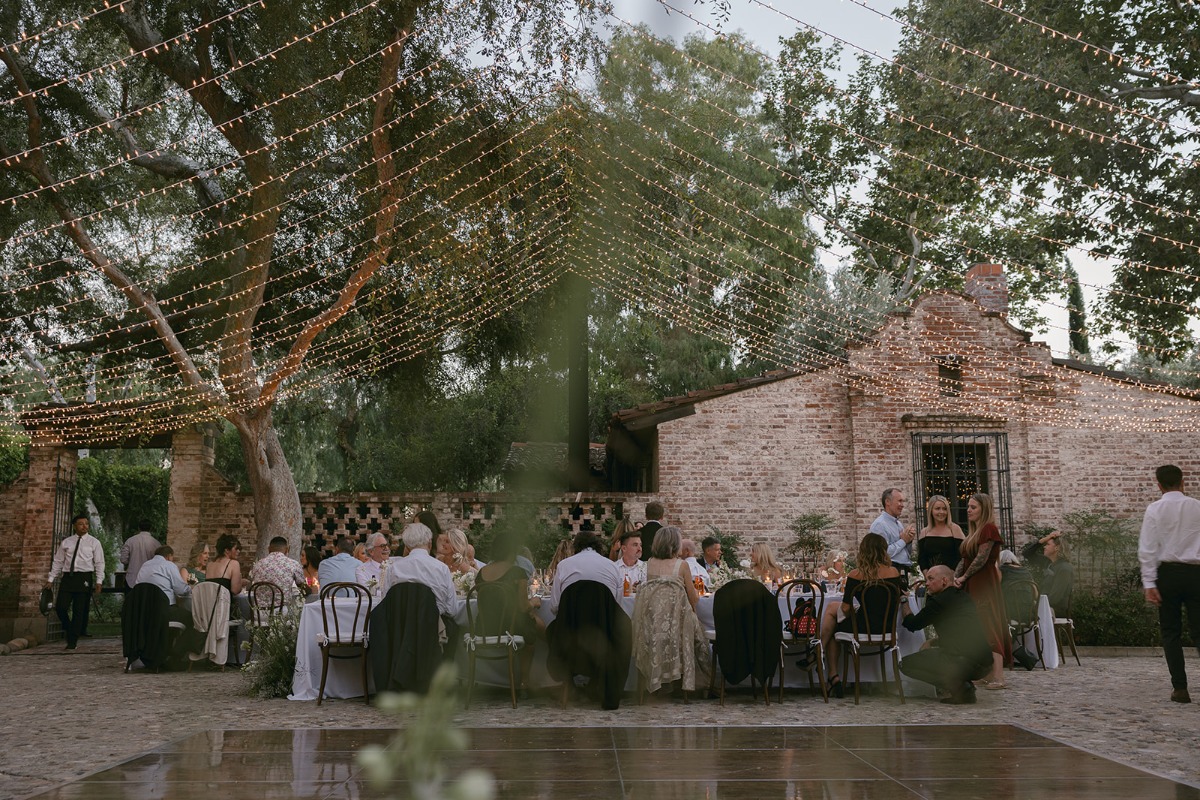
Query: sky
point(859, 26)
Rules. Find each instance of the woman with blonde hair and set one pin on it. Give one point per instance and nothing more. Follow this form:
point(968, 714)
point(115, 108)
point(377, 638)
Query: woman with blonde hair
point(453, 551)
point(940, 540)
point(763, 564)
point(872, 565)
point(978, 572)
point(564, 550)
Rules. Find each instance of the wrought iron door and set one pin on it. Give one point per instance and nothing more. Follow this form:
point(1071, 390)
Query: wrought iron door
point(64, 504)
point(956, 465)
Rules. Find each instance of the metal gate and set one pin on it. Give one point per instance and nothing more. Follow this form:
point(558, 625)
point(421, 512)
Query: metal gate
point(956, 465)
point(64, 504)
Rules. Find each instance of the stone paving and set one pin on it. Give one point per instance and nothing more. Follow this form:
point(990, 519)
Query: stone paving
point(66, 716)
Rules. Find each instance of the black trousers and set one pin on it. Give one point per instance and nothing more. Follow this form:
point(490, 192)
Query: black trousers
point(1179, 586)
point(72, 609)
point(948, 672)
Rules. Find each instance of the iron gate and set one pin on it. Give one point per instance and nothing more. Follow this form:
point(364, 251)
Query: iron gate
point(959, 464)
point(64, 504)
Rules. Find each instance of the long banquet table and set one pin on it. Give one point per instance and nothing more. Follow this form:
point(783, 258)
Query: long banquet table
point(345, 675)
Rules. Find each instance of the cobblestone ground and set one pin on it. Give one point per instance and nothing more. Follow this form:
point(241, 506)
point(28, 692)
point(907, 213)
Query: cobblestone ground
point(65, 716)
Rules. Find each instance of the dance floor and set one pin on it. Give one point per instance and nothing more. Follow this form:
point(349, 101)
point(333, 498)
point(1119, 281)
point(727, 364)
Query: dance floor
point(886, 761)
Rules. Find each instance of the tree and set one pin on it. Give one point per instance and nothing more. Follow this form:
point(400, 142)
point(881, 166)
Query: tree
point(328, 150)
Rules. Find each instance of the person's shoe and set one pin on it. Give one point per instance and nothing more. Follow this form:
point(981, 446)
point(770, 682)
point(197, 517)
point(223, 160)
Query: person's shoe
point(71, 647)
point(1180, 696)
point(836, 687)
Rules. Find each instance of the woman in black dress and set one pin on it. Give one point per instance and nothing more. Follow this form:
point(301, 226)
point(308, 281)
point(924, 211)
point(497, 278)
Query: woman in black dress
point(941, 539)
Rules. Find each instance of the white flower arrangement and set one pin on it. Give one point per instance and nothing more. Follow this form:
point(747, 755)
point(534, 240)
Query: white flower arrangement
point(463, 582)
point(722, 574)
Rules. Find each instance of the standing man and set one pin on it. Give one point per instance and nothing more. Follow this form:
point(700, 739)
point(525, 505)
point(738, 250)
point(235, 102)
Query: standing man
point(655, 511)
point(1169, 552)
point(79, 560)
point(137, 550)
point(898, 535)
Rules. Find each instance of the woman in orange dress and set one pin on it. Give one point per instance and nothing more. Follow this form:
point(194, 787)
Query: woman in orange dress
point(979, 574)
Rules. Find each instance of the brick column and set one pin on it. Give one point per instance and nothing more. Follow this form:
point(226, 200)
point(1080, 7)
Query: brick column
point(35, 534)
point(192, 455)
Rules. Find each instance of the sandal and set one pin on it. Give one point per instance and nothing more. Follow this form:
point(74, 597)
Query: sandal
point(836, 689)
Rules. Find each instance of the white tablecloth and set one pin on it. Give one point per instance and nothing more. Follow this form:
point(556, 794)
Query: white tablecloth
point(345, 674)
point(1046, 629)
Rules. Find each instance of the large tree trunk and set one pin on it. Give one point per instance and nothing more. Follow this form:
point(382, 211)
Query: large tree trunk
point(276, 501)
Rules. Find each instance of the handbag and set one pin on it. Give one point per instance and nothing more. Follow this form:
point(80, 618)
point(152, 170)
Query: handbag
point(804, 620)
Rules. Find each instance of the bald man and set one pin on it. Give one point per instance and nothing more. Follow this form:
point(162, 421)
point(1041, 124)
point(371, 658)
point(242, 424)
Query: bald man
point(961, 652)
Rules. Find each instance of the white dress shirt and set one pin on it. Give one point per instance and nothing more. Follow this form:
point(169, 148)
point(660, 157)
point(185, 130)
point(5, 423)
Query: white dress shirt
point(89, 559)
point(587, 565)
point(420, 567)
point(165, 575)
point(367, 570)
point(1170, 532)
point(890, 528)
point(699, 571)
point(636, 574)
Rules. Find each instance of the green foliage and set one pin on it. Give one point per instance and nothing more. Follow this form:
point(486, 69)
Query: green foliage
point(1115, 613)
point(14, 457)
point(269, 675)
point(123, 494)
point(425, 739)
point(809, 544)
point(1100, 543)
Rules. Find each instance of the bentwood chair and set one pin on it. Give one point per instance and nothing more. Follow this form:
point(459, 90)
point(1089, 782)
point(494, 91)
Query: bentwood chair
point(804, 604)
point(345, 617)
point(1064, 626)
point(1021, 602)
point(879, 601)
point(491, 631)
point(266, 603)
point(748, 639)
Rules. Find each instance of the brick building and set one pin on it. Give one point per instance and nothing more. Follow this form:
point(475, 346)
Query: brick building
point(946, 398)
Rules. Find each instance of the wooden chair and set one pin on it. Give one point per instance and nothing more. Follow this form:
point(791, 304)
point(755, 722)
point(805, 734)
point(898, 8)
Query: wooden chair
point(797, 594)
point(872, 595)
point(1023, 618)
point(1065, 626)
point(748, 636)
point(341, 640)
point(266, 603)
point(491, 621)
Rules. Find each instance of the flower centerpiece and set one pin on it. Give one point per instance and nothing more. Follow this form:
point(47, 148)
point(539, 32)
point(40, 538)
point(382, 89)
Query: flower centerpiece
point(721, 574)
point(463, 581)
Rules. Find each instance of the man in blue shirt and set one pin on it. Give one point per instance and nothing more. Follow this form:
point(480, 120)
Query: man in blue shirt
point(161, 571)
point(898, 535)
point(340, 567)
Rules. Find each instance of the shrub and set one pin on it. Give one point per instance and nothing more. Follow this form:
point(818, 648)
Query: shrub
point(1115, 613)
point(270, 673)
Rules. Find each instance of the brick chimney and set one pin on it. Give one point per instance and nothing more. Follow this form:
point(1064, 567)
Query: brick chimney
point(987, 284)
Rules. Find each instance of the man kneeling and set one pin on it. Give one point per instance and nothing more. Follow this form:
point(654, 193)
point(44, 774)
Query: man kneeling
point(961, 652)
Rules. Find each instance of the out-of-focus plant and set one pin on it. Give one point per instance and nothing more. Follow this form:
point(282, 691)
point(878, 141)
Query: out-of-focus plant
point(417, 751)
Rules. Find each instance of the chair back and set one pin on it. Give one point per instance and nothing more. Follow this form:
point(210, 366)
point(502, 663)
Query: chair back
point(355, 602)
point(804, 600)
point(878, 603)
point(266, 601)
point(746, 616)
point(1021, 604)
point(492, 609)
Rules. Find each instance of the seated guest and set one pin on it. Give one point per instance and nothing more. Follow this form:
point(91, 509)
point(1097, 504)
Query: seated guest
point(420, 567)
point(873, 565)
point(378, 551)
point(453, 550)
point(525, 561)
point(225, 569)
point(618, 535)
point(763, 565)
point(310, 562)
point(1020, 602)
point(1048, 556)
point(630, 567)
point(961, 653)
point(588, 564)
point(197, 561)
point(506, 576)
point(710, 552)
point(275, 567)
point(340, 567)
point(688, 551)
point(563, 551)
point(161, 571)
point(360, 552)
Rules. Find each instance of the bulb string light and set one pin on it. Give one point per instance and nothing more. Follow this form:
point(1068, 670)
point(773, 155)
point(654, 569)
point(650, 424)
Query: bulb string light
point(960, 142)
point(61, 25)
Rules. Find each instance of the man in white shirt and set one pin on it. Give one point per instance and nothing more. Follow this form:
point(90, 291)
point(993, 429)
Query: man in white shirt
point(341, 566)
point(420, 567)
point(161, 571)
point(688, 552)
point(1169, 554)
point(378, 551)
point(590, 563)
point(80, 562)
point(898, 535)
point(137, 550)
point(630, 567)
